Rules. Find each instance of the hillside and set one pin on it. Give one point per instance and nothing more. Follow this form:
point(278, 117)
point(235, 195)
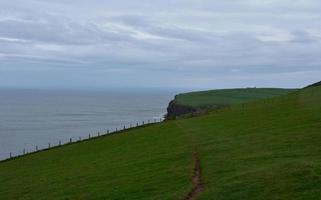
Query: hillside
point(267, 149)
point(195, 101)
point(315, 84)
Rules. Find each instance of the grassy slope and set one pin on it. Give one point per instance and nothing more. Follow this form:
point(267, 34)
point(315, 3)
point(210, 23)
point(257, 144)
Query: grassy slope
point(228, 96)
point(268, 149)
point(140, 164)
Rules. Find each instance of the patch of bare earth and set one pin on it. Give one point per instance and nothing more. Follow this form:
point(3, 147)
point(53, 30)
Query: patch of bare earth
point(196, 179)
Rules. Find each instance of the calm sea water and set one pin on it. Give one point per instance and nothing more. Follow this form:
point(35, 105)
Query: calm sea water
point(34, 117)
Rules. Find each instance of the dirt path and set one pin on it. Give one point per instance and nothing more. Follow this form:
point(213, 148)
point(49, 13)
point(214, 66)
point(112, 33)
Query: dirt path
point(196, 179)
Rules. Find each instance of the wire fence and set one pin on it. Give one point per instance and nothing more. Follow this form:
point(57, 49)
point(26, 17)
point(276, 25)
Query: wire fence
point(90, 136)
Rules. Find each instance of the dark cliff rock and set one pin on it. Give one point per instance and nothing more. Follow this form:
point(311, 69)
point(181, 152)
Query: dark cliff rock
point(314, 85)
point(175, 110)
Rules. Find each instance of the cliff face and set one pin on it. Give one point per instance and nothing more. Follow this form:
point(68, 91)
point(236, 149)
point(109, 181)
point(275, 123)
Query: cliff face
point(175, 110)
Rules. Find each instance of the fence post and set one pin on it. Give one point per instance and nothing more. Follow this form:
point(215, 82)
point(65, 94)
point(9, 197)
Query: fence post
point(10, 155)
point(36, 147)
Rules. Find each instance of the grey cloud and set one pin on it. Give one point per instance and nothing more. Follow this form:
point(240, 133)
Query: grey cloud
point(63, 32)
point(304, 37)
point(245, 37)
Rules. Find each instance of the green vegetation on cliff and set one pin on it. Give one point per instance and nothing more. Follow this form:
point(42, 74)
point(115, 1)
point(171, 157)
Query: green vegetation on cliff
point(192, 103)
point(226, 97)
point(267, 149)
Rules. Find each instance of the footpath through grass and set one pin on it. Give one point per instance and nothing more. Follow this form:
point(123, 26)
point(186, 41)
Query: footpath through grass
point(268, 149)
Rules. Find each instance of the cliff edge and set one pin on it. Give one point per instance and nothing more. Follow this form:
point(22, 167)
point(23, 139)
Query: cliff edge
point(196, 103)
point(176, 110)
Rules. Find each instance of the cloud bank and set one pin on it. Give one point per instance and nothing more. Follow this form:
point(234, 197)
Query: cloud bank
point(184, 43)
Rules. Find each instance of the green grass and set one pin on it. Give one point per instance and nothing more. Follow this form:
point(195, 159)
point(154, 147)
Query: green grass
point(267, 149)
point(139, 164)
point(228, 96)
point(270, 149)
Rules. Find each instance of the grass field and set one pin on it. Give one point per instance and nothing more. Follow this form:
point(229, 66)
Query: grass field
point(228, 96)
point(267, 149)
point(140, 164)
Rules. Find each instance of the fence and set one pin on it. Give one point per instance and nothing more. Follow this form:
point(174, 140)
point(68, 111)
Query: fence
point(80, 139)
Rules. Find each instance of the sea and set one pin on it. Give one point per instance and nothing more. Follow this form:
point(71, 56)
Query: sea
point(39, 118)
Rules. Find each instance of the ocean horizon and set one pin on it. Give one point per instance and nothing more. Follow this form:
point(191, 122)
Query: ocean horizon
point(37, 117)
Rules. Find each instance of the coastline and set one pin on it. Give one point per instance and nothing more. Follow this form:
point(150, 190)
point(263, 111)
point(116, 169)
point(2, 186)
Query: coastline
point(90, 137)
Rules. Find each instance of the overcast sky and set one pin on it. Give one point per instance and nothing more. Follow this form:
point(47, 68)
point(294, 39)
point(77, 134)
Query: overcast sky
point(159, 43)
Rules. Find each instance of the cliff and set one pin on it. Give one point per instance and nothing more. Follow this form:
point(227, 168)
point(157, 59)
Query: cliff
point(175, 110)
point(196, 103)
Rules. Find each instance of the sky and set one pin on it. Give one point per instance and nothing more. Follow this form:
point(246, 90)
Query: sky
point(159, 43)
